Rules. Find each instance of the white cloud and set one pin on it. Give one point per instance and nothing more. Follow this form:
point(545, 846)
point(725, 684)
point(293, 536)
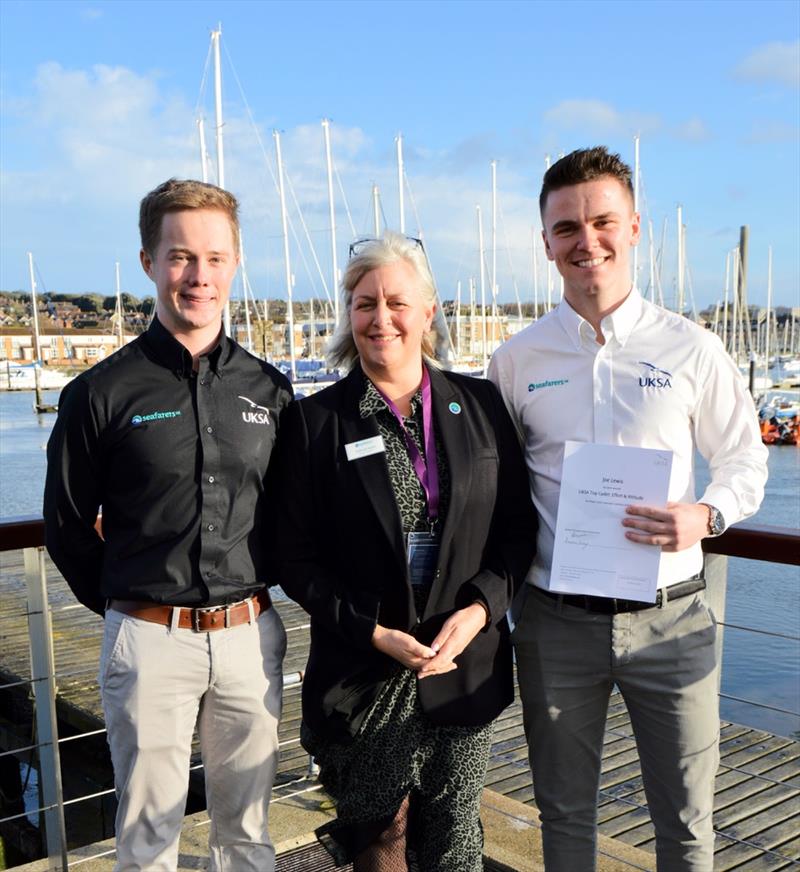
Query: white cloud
point(773, 131)
point(774, 62)
point(598, 118)
point(105, 133)
point(693, 130)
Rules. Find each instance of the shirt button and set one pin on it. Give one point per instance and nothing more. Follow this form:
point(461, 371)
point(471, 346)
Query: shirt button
point(211, 479)
point(202, 381)
point(210, 528)
point(209, 429)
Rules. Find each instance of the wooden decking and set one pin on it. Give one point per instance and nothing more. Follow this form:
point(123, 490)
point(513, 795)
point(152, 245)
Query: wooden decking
point(757, 809)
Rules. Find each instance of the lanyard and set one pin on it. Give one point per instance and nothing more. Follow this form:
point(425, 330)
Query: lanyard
point(427, 473)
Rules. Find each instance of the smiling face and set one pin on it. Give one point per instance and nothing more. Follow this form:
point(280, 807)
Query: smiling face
point(389, 318)
point(193, 267)
point(589, 229)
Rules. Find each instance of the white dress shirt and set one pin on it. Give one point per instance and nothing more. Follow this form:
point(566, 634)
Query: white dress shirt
point(659, 381)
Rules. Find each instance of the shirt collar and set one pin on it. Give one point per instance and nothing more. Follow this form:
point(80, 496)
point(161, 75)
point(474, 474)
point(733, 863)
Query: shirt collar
point(176, 357)
point(618, 325)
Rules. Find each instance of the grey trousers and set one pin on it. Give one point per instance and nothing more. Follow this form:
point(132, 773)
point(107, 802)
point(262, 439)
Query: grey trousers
point(157, 683)
point(663, 661)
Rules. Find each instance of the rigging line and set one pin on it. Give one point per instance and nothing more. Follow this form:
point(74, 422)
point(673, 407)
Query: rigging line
point(383, 213)
point(443, 327)
point(510, 261)
point(308, 235)
point(251, 119)
point(274, 177)
point(42, 288)
point(202, 91)
point(344, 197)
point(366, 221)
point(691, 290)
point(301, 252)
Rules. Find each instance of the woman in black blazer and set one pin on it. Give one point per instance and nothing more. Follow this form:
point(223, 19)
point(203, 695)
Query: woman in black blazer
point(406, 526)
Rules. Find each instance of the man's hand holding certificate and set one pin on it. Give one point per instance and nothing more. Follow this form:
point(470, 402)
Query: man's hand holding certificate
point(592, 554)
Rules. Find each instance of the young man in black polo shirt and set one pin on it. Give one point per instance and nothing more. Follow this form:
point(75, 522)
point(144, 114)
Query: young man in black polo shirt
point(163, 436)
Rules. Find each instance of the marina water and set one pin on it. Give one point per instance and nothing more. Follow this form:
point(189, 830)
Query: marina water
point(762, 595)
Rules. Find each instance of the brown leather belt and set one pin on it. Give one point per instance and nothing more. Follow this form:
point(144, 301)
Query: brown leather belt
point(201, 620)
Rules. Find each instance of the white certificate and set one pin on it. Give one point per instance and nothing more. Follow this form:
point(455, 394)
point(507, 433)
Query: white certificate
point(591, 554)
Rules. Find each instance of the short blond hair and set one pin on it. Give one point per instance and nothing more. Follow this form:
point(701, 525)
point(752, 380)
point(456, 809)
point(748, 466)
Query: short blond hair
point(177, 195)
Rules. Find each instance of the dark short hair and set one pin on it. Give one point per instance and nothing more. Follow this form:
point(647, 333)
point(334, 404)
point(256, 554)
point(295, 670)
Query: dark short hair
point(177, 195)
point(585, 165)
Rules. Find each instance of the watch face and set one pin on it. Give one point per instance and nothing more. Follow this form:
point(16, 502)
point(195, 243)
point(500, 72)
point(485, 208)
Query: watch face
point(717, 521)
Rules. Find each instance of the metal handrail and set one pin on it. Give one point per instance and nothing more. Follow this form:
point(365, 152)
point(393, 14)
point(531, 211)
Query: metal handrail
point(752, 541)
point(772, 544)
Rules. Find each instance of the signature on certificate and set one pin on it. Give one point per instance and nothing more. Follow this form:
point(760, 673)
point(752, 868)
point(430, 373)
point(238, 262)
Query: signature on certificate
point(581, 538)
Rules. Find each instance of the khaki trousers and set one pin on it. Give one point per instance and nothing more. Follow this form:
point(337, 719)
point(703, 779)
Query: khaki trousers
point(157, 684)
point(663, 661)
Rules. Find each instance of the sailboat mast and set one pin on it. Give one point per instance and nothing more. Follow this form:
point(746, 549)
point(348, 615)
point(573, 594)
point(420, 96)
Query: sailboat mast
point(769, 306)
point(326, 127)
point(312, 330)
point(376, 210)
point(535, 275)
point(493, 165)
point(243, 268)
point(735, 333)
point(215, 35)
point(483, 290)
point(636, 206)
point(725, 307)
point(549, 262)
point(458, 319)
point(37, 353)
point(286, 260)
point(201, 129)
point(38, 405)
point(120, 314)
point(679, 307)
point(400, 186)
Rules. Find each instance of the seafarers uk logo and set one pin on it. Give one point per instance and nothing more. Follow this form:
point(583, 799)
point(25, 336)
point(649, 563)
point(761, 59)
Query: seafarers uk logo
point(256, 414)
point(138, 420)
point(654, 377)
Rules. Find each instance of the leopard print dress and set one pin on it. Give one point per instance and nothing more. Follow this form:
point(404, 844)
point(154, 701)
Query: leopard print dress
point(398, 751)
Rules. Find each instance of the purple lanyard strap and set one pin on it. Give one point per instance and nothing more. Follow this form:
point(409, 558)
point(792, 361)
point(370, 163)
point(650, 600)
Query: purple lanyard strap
point(427, 473)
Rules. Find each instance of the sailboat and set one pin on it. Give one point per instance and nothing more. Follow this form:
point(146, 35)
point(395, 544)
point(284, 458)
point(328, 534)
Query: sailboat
point(39, 406)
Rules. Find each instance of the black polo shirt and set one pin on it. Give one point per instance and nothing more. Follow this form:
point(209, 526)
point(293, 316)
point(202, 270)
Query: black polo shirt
point(178, 462)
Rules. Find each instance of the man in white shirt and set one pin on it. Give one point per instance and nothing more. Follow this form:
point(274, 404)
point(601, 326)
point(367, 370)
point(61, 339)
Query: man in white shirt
point(606, 366)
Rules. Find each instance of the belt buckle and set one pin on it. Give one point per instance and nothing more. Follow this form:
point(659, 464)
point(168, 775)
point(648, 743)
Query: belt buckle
point(226, 620)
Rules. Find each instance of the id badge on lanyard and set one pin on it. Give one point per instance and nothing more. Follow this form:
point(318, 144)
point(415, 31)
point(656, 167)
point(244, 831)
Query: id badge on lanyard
point(422, 548)
point(423, 555)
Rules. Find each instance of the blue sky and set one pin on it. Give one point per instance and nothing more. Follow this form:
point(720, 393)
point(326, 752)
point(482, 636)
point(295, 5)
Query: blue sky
point(100, 100)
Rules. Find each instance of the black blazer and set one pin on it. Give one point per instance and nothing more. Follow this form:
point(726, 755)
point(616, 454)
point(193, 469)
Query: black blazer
point(341, 553)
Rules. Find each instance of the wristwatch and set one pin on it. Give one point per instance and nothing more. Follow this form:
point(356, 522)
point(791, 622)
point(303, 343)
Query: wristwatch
point(716, 523)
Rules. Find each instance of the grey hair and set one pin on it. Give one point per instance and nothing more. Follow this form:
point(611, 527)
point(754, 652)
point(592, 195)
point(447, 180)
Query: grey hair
point(390, 248)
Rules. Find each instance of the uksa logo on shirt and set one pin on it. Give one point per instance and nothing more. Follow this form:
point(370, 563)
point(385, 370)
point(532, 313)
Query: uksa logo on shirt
point(256, 414)
point(654, 377)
